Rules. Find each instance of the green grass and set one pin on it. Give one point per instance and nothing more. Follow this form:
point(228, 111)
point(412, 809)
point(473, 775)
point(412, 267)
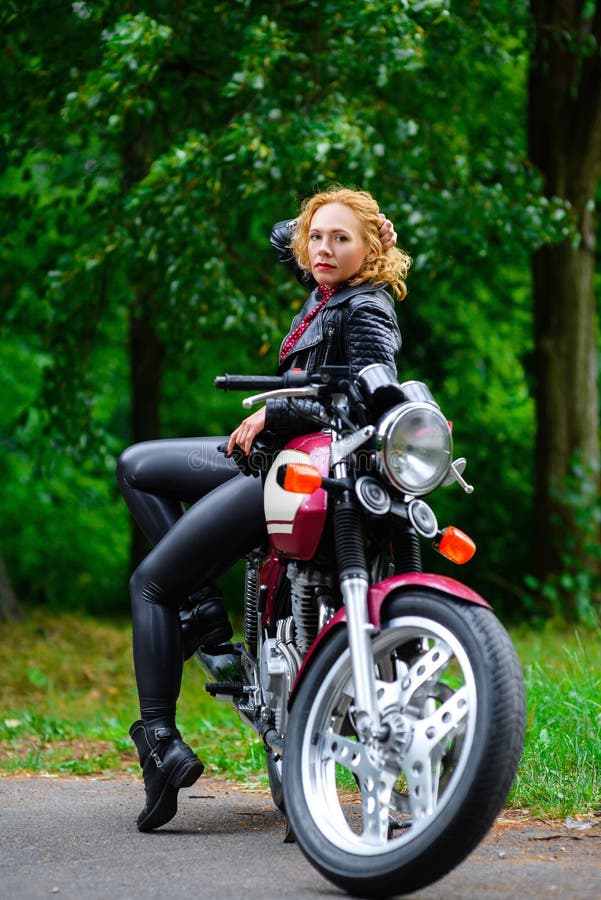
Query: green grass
point(560, 771)
point(67, 699)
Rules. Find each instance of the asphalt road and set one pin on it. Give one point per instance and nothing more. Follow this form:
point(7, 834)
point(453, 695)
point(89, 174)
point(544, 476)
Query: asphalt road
point(75, 839)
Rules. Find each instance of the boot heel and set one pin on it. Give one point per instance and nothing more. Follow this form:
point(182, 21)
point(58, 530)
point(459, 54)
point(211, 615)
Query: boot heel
point(186, 774)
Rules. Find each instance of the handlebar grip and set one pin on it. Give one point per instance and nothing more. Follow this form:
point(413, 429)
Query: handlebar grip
point(247, 383)
point(261, 383)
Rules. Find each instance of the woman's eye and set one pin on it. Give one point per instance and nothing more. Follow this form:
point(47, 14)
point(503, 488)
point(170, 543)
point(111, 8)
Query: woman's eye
point(341, 237)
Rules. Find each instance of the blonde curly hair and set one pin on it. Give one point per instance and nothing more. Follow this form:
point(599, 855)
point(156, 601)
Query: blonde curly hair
point(390, 267)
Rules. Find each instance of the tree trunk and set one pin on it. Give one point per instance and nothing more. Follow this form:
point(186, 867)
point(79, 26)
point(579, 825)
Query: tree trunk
point(146, 357)
point(565, 145)
point(145, 349)
point(10, 609)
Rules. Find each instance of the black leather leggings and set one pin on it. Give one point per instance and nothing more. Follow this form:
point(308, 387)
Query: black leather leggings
point(202, 515)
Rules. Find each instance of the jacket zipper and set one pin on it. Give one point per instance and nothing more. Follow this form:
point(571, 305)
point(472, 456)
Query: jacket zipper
point(328, 342)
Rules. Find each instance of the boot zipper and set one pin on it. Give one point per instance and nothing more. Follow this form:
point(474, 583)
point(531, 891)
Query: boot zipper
point(155, 755)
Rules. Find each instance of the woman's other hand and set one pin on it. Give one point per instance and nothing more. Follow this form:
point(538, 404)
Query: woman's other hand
point(246, 432)
point(387, 233)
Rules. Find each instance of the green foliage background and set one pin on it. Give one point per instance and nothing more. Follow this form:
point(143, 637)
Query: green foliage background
point(145, 151)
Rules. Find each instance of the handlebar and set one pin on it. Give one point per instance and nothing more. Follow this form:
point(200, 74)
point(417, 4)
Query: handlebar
point(295, 378)
point(263, 382)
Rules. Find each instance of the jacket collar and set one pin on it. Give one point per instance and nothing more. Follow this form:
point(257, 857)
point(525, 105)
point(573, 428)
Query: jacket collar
point(343, 294)
point(314, 333)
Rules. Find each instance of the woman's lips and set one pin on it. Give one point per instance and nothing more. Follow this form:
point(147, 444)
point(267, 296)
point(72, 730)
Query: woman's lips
point(323, 266)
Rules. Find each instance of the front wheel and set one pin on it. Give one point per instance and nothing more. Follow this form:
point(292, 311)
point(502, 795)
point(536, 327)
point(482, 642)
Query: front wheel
point(395, 813)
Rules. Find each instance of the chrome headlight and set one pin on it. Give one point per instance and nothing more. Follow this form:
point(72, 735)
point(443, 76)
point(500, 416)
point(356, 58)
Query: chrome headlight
point(414, 447)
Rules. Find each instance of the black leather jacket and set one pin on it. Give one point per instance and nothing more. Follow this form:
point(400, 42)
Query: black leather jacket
point(356, 328)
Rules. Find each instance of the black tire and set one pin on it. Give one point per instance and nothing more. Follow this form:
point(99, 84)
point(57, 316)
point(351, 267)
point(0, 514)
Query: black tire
point(274, 773)
point(433, 652)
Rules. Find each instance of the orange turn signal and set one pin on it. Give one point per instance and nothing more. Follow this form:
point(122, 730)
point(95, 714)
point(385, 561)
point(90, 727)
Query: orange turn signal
point(456, 545)
point(300, 478)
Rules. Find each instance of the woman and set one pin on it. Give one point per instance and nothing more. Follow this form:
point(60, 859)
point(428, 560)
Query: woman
point(345, 246)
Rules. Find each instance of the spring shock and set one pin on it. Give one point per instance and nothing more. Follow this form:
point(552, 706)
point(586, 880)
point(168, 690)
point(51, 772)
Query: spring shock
point(251, 587)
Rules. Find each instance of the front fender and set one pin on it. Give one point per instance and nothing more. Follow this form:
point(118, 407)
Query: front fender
point(376, 595)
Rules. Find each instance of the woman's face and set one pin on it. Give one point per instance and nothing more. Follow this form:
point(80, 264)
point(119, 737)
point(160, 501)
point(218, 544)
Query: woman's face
point(337, 247)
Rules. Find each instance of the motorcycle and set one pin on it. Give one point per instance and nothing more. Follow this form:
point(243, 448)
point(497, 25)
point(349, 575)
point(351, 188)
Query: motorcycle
point(390, 700)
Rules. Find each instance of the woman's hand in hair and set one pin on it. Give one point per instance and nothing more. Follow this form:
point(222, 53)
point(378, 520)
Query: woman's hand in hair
point(387, 233)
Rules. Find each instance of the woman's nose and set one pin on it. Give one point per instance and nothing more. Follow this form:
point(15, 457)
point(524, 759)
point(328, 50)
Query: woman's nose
point(324, 247)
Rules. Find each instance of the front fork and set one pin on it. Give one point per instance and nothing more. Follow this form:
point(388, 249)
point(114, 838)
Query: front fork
point(360, 629)
point(354, 582)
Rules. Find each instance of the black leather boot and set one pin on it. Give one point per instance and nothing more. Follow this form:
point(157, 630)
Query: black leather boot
point(204, 622)
point(168, 764)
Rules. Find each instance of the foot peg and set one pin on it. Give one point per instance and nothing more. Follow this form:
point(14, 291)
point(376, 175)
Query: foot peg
point(234, 689)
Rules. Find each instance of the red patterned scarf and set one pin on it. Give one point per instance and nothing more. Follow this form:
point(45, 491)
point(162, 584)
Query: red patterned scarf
point(326, 292)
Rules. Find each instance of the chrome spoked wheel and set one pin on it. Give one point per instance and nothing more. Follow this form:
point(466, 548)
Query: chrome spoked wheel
point(366, 798)
point(413, 800)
